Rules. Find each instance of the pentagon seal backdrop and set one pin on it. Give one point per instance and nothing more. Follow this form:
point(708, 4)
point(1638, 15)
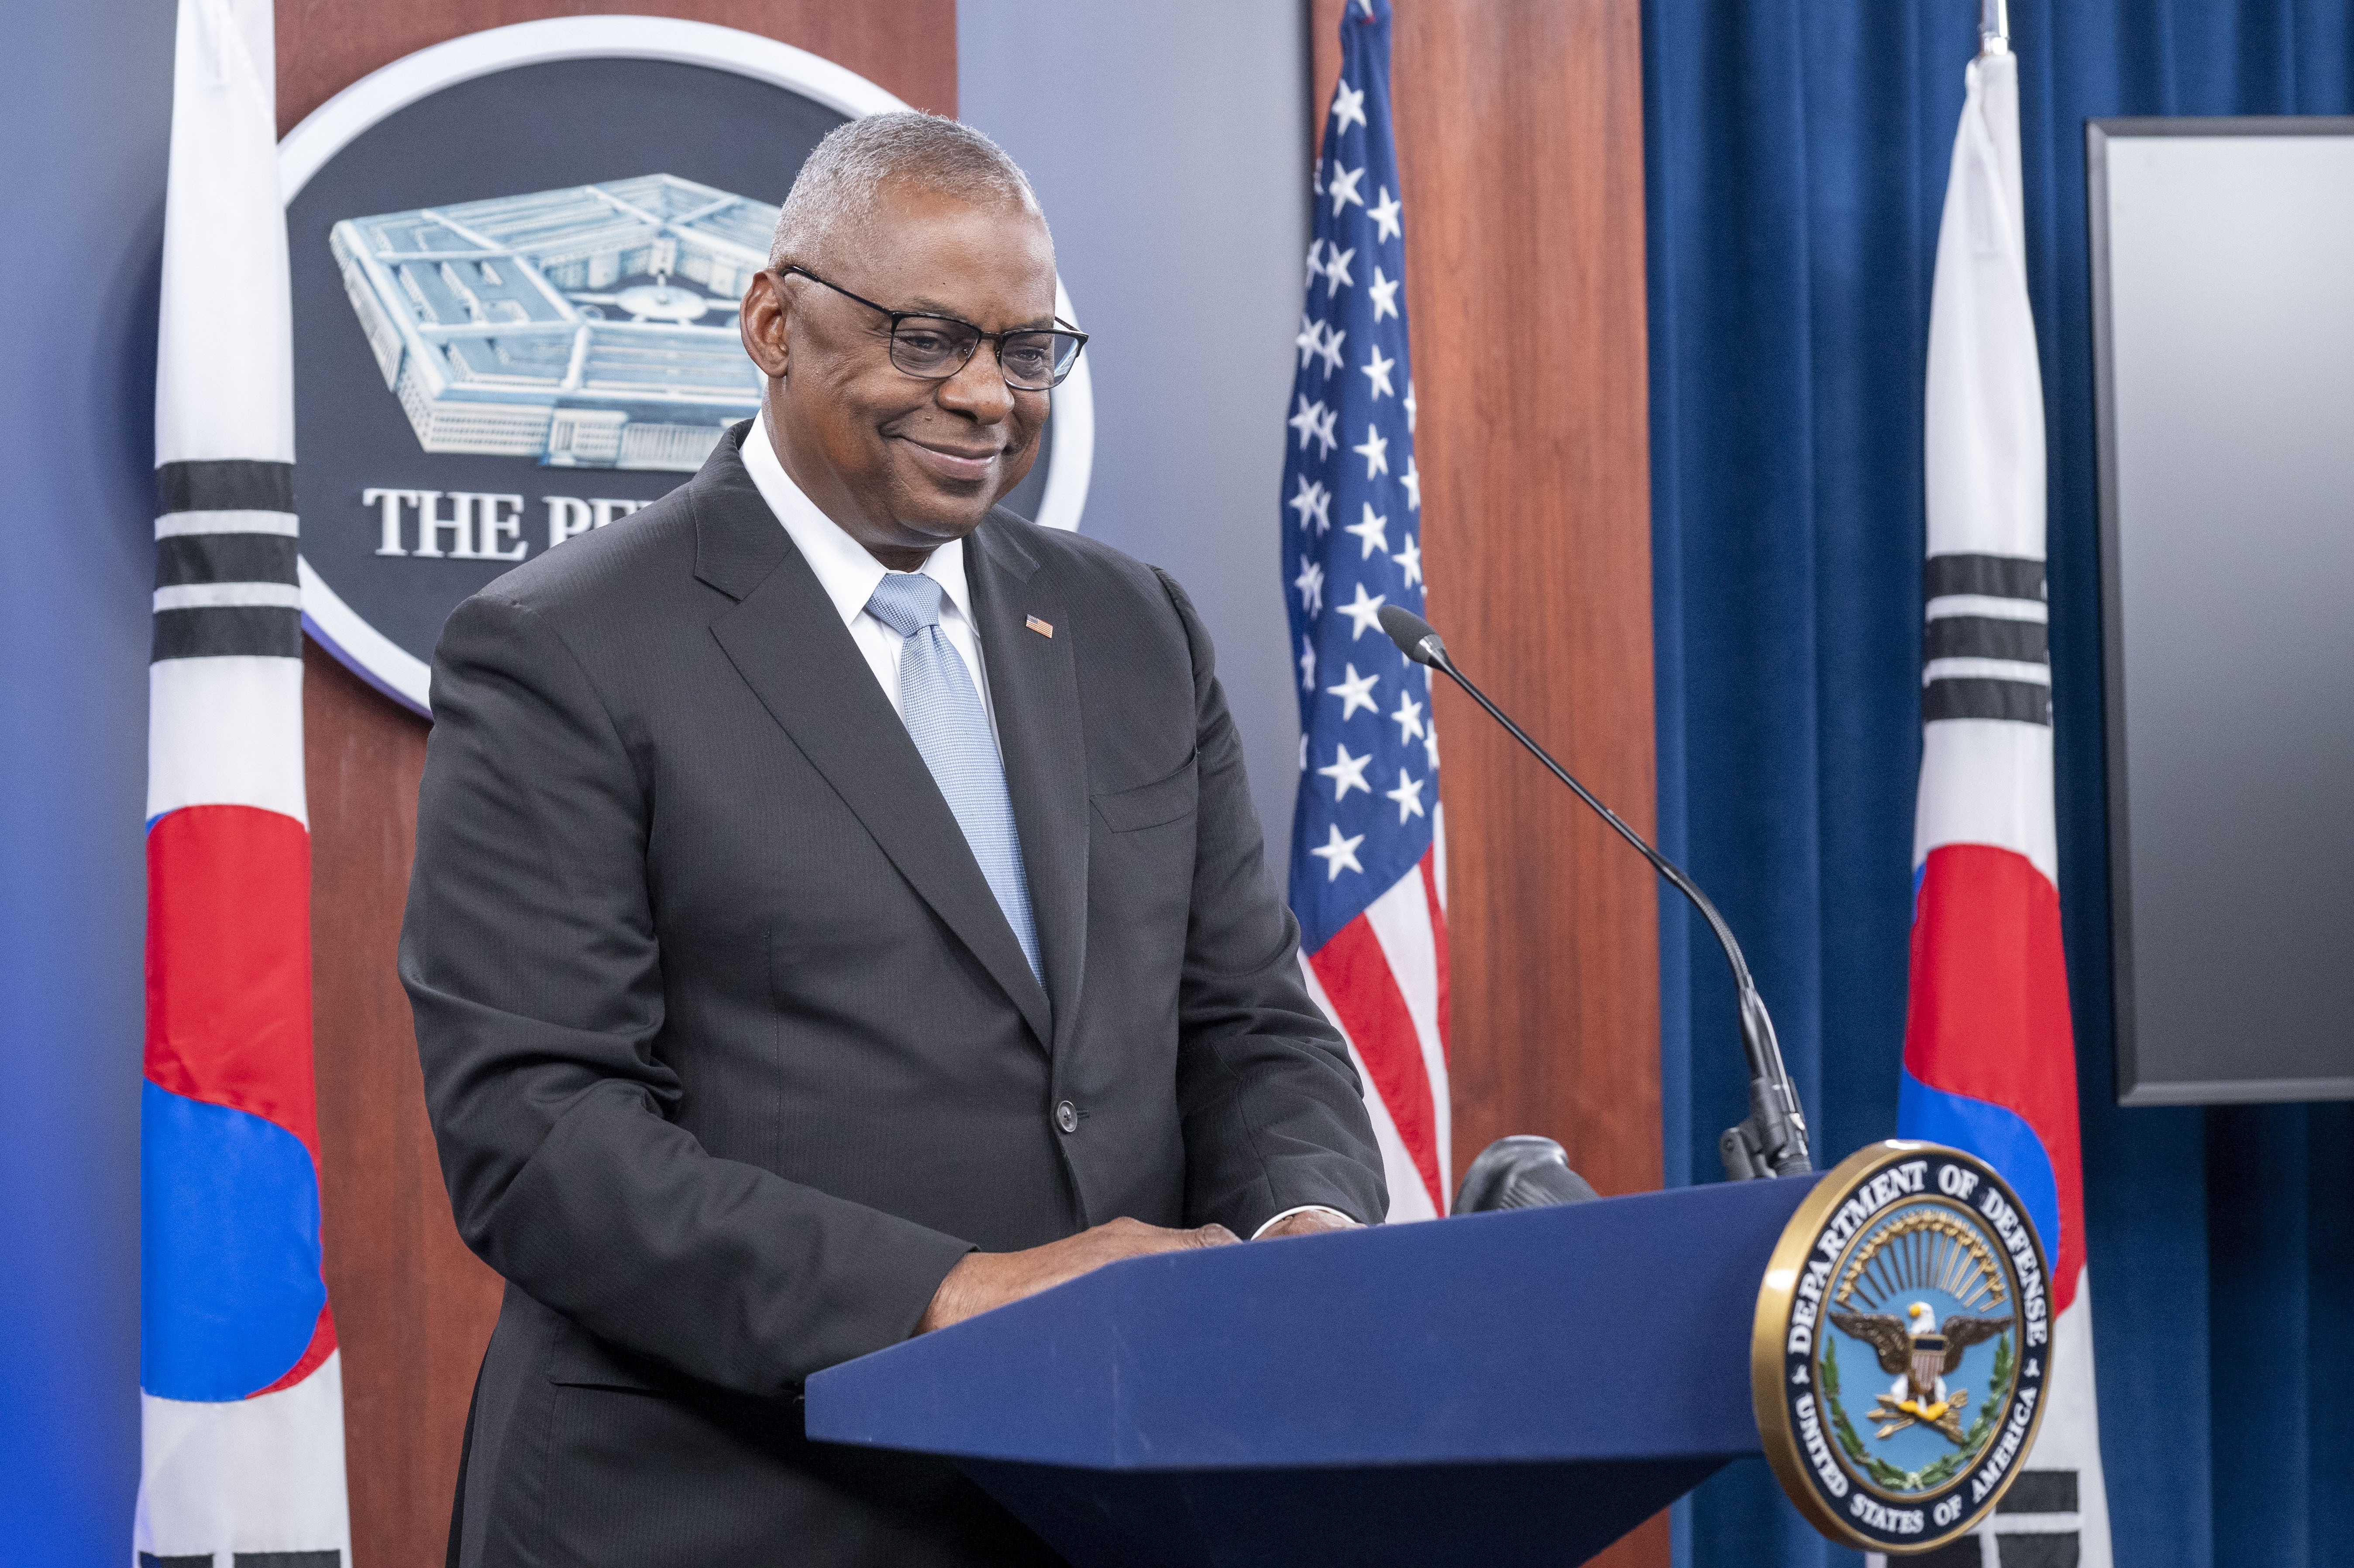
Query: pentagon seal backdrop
point(516, 262)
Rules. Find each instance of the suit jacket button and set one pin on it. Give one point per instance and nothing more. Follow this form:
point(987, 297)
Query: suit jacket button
point(1066, 1116)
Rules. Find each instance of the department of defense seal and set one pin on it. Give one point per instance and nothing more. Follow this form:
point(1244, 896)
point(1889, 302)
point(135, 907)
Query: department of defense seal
point(1902, 1345)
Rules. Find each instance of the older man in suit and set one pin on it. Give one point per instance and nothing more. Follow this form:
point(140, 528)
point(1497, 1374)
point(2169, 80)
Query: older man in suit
point(838, 910)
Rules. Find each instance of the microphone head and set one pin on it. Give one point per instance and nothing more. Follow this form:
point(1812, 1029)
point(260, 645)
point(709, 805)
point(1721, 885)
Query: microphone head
point(1520, 1172)
point(1413, 635)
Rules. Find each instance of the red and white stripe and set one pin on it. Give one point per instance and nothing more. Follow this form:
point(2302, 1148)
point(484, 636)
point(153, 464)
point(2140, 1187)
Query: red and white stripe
point(1382, 979)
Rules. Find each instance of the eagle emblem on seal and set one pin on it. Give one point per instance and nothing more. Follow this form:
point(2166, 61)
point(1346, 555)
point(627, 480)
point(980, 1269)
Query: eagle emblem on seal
point(1923, 1258)
point(1920, 1352)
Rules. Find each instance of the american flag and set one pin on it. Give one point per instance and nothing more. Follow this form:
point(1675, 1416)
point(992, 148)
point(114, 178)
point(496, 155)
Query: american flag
point(1368, 857)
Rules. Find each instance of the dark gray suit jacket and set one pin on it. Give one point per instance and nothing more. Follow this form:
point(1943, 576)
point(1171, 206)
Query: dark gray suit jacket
point(731, 1055)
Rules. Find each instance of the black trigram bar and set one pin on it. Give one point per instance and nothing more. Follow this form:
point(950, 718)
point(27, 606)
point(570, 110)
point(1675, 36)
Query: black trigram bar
point(2039, 1492)
point(1996, 576)
point(1978, 637)
point(224, 558)
point(226, 485)
point(268, 630)
point(2024, 702)
point(329, 1559)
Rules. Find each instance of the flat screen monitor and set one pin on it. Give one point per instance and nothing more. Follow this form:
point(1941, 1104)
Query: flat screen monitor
point(2222, 255)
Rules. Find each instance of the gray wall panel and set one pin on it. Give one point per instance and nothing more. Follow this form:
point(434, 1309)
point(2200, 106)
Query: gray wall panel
point(1170, 147)
point(85, 113)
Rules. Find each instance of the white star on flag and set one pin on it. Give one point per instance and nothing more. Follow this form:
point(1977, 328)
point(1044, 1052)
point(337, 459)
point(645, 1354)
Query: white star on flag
point(1348, 104)
point(1411, 479)
point(1355, 692)
point(1385, 214)
point(1365, 613)
point(1408, 795)
point(1342, 187)
point(1408, 718)
point(1383, 292)
point(1376, 370)
point(1347, 772)
point(1336, 271)
point(1315, 268)
point(1374, 531)
point(1338, 853)
point(1409, 561)
point(1409, 405)
point(1307, 683)
point(1311, 584)
point(1305, 420)
point(1375, 452)
point(1310, 341)
point(1331, 353)
point(1314, 502)
point(1327, 436)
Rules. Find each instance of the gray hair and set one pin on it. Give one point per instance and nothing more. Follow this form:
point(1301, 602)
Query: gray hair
point(837, 189)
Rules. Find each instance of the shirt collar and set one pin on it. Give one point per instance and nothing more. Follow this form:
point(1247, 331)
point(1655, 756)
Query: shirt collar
point(844, 570)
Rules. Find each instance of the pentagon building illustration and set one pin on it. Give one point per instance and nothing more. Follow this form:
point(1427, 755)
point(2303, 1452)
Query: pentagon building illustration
point(588, 327)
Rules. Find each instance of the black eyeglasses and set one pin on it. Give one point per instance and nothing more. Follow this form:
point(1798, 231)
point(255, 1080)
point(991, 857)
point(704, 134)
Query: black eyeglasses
point(1032, 360)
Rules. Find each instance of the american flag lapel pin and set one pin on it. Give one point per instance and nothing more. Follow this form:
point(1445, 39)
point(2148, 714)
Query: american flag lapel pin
point(1043, 628)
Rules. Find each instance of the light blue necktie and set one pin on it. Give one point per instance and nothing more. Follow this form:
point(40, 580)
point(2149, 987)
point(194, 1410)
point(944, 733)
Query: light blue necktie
point(942, 707)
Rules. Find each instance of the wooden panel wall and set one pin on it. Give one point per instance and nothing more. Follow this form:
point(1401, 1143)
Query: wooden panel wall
point(1520, 128)
point(413, 1308)
point(907, 46)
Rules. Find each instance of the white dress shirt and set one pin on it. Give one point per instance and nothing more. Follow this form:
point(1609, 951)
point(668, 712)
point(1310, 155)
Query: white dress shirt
point(849, 576)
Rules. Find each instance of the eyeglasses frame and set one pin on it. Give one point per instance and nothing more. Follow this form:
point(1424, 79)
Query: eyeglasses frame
point(996, 340)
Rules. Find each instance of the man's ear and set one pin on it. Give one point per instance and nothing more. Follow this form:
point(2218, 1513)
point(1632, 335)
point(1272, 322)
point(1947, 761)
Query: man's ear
point(763, 320)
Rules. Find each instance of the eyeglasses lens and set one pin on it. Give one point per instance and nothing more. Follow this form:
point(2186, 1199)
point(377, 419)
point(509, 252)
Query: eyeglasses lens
point(926, 346)
point(1037, 360)
point(935, 347)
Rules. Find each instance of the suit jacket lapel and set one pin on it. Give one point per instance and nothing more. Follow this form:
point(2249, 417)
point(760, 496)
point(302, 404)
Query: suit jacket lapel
point(789, 643)
point(1033, 686)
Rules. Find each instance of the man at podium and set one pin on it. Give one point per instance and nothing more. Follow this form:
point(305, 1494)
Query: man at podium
point(838, 910)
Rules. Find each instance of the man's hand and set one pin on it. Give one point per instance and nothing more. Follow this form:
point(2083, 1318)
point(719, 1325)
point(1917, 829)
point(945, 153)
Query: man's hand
point(981, 1280)
point(1307, 1221)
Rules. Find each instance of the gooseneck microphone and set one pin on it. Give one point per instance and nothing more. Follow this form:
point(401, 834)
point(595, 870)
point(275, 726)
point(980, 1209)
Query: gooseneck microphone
point(1772, 1140)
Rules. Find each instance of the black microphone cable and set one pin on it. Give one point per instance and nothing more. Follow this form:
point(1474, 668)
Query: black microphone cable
point(1772, 1140)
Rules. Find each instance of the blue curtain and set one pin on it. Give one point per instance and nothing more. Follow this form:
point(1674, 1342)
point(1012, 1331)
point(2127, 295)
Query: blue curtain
point(1795, 155)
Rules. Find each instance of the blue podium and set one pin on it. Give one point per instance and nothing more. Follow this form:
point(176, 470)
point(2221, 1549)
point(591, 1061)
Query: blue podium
point(1516, 1387)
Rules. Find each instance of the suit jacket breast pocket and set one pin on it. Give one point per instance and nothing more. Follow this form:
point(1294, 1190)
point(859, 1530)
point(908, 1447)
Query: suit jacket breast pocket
point(1154, 805)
